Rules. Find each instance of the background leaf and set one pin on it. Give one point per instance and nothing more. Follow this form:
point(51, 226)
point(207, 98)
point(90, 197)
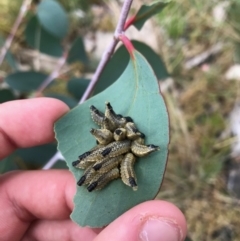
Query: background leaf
point(8, 164)
point(9, 57)
point(25, 81)
point(77, 52)
point(60, 165)
point(71, 102)
point(6, 95)
point(77, 86)
point(35, 157)
point(147, 11)
point(135, 94)
point(53, 18)
point(119, 61)
point(41, 40)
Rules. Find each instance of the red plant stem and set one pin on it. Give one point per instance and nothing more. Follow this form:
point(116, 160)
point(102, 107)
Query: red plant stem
point(129, 22)
point(14, 29)
point(128, 44)
point(109, 51)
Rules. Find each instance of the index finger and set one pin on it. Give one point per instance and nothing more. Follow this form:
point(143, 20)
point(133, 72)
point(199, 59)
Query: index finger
point(26, 123)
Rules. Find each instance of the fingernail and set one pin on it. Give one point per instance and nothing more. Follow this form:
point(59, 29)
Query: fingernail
point(160, 230)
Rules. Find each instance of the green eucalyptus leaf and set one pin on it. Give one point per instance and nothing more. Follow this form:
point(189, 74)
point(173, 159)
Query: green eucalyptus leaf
point(77, 86)
point(136, 94)
point(9, 58)
point(147, 11)
point(6, 95)
point(25, 81)
point(53, 18)
point(41, 40)
point(71, 102)
point(60, 165)
point(8, 164)
point(119, 61)
point(77, 52)
point(37, 156)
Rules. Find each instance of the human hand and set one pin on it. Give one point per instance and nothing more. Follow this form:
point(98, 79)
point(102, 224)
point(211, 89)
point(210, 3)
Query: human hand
point(35, 205)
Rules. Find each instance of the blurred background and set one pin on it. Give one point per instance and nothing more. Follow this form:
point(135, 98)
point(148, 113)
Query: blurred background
point(195, 46)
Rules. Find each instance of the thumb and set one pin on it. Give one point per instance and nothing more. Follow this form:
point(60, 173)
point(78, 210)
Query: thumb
point(149, 221)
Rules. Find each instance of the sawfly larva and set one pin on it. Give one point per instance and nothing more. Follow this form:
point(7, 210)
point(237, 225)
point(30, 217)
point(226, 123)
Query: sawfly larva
point(107, 164)
point(119, 134)
point(127, 172)
point(100, 180)
point(103, 136)
point(119, 143)
point(142, 150)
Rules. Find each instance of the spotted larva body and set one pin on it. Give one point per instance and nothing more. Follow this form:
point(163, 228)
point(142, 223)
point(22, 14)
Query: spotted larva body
point(119, 134)
point(103, 136)
point(132, 131)
point(100, 180)
point(142, 150)
point(87, 176)
point(96, 115)
point(107, 164)
point(127, 172)
point(116, 120)
point(116, 148)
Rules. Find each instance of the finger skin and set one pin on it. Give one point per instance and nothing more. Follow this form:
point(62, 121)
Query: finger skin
point(128, 225)
point(45, 230)
point(26, 123)
point(27, 196)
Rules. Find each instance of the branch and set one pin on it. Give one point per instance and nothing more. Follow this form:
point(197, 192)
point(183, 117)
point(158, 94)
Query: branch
point(109, 51)
point(8, 42)
point(106, 56)
point(53, 75)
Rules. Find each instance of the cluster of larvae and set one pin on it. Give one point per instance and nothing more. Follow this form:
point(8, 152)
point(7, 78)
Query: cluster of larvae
point(119, 142)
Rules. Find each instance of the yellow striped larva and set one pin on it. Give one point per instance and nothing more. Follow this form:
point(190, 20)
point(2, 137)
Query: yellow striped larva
point(127, 172)
point(119, 134)
point(106, 164)
point(103, 136)
point(97, 115)
point(142, 150)
point(100, 180)
point(116, 120)
point(87, 176)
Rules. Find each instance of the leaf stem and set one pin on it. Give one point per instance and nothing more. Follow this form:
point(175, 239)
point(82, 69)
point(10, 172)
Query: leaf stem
point(8, 42)
point(129, 22)
point(128, 44)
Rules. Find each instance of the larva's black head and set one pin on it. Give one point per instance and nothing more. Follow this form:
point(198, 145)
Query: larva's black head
point(132, 182)
point(153, 147)
point(128, 119)
point(93, 108)
point(75, 163)
point(142, 135)
point(118, 132)
point(109, 106)
point(92, 186)
point(81, 181)
point(84, 155)
point(92, 130)
point(97, 142)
